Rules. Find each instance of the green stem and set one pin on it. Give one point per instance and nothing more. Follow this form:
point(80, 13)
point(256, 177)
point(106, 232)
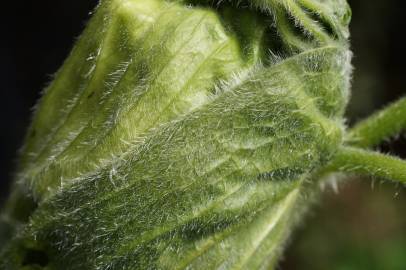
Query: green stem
point(359, 161)
point(381, 125)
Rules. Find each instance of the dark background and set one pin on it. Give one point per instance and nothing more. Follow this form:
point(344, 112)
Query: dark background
point(363, 226)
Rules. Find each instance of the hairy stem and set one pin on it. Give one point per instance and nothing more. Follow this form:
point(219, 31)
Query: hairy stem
point(359, 161)
point(381, 125)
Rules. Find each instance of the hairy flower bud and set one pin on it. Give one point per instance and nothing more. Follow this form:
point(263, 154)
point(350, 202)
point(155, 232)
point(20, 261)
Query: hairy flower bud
point(179, 135)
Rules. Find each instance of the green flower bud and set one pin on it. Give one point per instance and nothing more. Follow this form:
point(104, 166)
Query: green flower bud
point(180, 135)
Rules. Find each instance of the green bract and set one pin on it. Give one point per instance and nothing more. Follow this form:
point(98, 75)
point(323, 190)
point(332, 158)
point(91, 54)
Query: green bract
point(181, 135)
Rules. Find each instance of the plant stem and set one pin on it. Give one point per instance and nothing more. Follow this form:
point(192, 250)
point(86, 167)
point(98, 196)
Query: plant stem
point(359, 161)
point(381, 125)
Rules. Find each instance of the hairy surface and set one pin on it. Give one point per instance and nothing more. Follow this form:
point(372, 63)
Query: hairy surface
point(180, 135)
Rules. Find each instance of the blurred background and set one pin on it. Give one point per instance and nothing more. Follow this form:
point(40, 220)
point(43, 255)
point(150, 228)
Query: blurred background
point(362, 226)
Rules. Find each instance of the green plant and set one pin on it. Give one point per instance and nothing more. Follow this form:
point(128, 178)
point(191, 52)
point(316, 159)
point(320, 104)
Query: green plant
point(190, 134)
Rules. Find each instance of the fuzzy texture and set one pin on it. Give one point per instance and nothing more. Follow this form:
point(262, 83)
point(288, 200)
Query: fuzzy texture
point(179, 135)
